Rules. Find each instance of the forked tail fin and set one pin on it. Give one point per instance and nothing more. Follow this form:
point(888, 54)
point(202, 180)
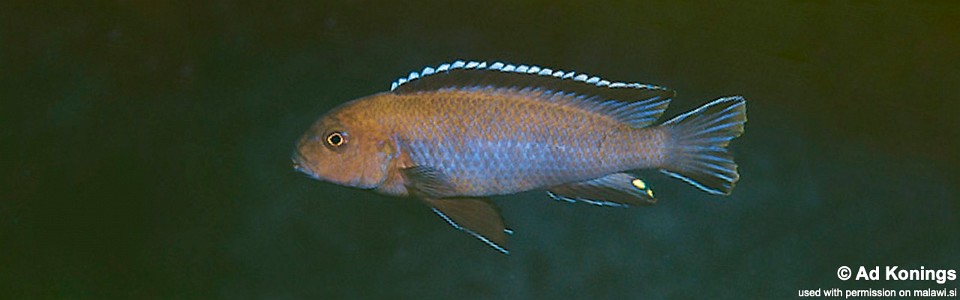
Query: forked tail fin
point(697, 145)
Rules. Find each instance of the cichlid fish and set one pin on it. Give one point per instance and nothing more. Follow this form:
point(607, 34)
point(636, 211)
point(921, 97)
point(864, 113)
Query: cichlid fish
point(458, 133)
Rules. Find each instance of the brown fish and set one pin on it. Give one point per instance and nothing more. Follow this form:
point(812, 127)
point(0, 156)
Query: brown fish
point(458, 133)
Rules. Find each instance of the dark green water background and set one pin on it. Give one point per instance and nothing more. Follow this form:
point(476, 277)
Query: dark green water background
point(145, 149)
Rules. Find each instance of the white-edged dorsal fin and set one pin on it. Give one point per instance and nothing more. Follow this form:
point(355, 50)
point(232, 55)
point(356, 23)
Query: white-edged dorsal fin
point(637, 104)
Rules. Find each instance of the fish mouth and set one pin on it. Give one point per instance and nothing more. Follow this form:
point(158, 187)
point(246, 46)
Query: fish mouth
point(298, 163)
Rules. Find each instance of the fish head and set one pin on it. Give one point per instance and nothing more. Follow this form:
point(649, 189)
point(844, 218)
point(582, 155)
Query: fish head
point(346, 146)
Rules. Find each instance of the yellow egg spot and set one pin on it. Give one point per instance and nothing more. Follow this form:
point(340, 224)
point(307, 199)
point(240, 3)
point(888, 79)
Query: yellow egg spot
point(639, 184)
point(650, 193)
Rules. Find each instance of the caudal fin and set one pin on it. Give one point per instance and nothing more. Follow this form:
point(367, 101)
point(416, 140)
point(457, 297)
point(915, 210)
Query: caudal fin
point(697, 145)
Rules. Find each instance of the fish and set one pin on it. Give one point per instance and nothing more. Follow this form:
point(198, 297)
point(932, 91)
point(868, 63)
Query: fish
point(454, 135)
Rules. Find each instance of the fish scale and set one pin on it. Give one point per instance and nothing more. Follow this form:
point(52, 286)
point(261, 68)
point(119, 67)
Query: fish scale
point(494, 134)
point(456, 133)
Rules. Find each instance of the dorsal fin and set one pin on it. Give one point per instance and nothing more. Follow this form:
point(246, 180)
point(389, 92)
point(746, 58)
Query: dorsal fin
point(637, 104)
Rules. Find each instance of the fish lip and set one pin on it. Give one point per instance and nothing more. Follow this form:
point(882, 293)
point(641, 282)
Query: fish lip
point(300, 164)
point(298, 160)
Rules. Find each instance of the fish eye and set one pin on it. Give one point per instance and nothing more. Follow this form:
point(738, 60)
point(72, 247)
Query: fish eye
point(335, 139)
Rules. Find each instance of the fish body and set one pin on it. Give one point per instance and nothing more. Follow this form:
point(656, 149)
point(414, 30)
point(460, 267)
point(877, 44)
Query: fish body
point(454, 135)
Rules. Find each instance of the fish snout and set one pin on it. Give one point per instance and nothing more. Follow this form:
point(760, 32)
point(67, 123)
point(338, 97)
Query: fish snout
point(299, 163)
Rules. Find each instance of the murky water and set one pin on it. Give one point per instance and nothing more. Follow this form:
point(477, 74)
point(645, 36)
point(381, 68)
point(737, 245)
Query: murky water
point(145, 150)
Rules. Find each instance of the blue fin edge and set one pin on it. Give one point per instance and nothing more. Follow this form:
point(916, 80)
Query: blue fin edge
point(520, 69)
point(471, 232)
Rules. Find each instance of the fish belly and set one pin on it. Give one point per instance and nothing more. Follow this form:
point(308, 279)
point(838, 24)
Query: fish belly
point(497, 146)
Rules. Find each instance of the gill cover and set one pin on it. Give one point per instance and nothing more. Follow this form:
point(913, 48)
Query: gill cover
point(345, 148)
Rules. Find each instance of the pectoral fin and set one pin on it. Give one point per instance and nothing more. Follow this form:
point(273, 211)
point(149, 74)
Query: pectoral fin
point(620, 189)
point(476, 216)
point(427, 181)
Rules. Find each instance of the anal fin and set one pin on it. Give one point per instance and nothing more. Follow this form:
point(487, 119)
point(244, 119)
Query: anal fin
point(619, 190)
point(476, 216)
